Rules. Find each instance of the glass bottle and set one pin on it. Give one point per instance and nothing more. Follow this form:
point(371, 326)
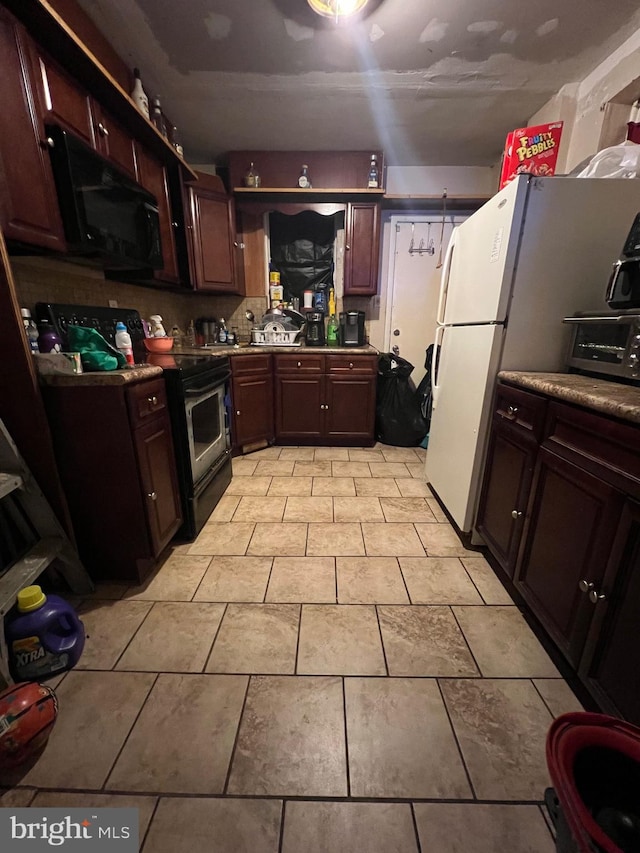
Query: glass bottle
point(373, 181)
point(251, 179)
point(156, 115)
point(222, 332)
point(304, 180)
point(138, 94)
point(175, 141)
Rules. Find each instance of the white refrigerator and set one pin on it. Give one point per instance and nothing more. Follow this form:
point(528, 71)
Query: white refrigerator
point(539, 250)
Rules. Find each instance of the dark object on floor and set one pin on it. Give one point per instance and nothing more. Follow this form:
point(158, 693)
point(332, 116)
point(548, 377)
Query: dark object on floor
point(594, 764)
point(423, 391)
point(399, 420)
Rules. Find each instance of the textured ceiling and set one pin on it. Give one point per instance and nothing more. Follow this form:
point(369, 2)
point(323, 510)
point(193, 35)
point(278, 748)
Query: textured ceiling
point(435, 82)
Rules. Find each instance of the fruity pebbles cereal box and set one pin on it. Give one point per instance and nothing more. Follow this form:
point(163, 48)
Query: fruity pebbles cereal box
point(531, 149)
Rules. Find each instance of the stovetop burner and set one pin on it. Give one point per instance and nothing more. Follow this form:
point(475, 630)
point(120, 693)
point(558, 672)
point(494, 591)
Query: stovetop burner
point(185, 365)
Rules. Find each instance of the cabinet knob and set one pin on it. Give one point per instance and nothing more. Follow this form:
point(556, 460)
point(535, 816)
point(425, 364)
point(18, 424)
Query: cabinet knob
point(299, 364)
point(515, 514)
point(347, 248)
point(174, 224)
point(595, 596)
point(350, 365)
point(153, 496)
point(102, 130)
point(585, 586)
point(153, 400)
point(512, 411)
point(238, 412)
point(48, 142)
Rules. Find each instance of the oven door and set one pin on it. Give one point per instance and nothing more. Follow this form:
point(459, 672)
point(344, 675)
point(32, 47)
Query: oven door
point(207, 433)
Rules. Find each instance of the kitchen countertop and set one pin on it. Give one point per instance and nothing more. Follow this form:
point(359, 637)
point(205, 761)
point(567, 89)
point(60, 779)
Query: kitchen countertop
point(601, 395)
point(245, 349)
point(104, 377)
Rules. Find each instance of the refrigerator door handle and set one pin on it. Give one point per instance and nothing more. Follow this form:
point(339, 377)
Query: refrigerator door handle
point(444, 279)
point(435, 388)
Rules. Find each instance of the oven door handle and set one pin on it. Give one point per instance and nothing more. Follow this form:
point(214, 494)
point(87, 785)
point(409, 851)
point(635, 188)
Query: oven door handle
point(204, 389)
point(618, 318)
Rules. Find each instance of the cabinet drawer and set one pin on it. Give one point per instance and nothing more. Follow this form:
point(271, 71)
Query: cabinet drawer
point(607, 448)
point(524, 411)
point(299, 364)
point(350, 364)
point(250, 365)
point(145, 400)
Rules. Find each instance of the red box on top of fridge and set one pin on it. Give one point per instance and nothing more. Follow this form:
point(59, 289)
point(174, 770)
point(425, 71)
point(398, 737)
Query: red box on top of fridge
point(531, 149)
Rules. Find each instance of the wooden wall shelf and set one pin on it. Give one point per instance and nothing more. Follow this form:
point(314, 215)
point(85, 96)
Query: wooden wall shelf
point(303, 191)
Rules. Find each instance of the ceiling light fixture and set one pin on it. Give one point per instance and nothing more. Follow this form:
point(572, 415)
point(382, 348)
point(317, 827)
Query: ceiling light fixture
point(337, 9)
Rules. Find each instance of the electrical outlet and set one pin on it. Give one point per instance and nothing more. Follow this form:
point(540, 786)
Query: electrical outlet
point(113, 303)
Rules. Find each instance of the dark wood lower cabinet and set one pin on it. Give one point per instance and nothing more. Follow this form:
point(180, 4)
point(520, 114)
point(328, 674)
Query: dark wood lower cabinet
point(578, 562)
point(571, 525)
point(611, 662)
point(325, 399)
point(252, 399)
point(115, 455)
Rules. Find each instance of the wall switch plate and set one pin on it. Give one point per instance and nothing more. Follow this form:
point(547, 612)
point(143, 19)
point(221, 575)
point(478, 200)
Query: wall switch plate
point(113, 303)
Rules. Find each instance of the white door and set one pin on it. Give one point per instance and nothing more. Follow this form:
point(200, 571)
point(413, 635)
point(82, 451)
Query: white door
point(480, 263)
point(469, 358)
point(414, 288)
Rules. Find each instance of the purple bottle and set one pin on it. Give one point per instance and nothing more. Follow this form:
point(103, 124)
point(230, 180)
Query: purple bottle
point(44, 635)
point(48, 339)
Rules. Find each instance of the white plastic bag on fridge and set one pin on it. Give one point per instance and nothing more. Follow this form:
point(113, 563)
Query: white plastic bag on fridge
point(619, 161)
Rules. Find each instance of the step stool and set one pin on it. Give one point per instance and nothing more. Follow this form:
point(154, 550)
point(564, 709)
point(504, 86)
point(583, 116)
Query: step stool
point(49, 541)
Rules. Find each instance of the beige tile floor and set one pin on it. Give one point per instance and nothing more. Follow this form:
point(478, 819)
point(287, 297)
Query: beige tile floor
point(325, 669)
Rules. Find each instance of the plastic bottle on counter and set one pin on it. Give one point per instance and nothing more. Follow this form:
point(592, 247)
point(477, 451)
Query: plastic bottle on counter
point(222, 332)
point(191, 334)
point(30, 328)
point(123, 342)
point(232, 336)
point(49, 340)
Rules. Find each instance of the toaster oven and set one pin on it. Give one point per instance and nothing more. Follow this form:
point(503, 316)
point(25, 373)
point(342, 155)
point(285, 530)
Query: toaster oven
point(606, 344)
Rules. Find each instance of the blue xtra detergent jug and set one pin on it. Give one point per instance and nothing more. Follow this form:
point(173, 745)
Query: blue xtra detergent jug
point(44, 637)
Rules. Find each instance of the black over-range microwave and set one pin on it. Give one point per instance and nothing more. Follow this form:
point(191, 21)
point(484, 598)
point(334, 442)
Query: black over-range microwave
point(105, 214)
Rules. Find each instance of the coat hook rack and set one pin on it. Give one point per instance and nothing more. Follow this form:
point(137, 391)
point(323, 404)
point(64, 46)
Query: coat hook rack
point(422, 248)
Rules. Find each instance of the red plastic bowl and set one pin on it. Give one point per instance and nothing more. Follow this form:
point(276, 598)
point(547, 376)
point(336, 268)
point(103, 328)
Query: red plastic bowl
point(158, 344)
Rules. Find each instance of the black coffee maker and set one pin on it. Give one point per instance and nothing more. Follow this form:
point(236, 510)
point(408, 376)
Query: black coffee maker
point(351, 329)
point(315, 329)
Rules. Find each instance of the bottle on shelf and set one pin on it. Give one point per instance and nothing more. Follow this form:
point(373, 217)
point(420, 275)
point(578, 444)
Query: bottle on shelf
point(373, 181)
point(332, 330)
point(252, 178)
point(191, 334)
point(138, 94)
point(178, 337)
point(304, 180)
point(232, 336)
point(157, 118)
point(222, 332)
point(30, 329)
point(123, 342)
point(175, 141)
point(49, 340)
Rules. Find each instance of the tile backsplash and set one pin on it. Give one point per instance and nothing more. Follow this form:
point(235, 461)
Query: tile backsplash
point(40, 279)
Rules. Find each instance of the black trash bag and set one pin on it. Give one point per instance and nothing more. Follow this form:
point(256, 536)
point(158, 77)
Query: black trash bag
point(423, 391)
point(399, 421)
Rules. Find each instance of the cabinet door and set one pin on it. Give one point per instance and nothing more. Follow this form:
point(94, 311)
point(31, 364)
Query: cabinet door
point(362, 248)
point(572, 521)
point(299, 412)
point(505, 492)
point(252, 418)
point(28, 202)
point(153, 177)
point(64, 101)
point(154, 451)
point(350, 412)
point(212, 230)
point(114, 142)
point(611, 664)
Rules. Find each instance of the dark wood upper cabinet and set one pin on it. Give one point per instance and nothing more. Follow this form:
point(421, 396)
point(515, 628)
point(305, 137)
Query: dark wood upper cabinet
point(152, 174)
point(113, 141)
point(362, 248)
point(341, 170)
point(212, 228)
point(28, 203)
point(63, 101)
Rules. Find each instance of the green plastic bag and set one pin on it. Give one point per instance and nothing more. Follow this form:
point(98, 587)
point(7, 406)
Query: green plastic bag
point(95, 352)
